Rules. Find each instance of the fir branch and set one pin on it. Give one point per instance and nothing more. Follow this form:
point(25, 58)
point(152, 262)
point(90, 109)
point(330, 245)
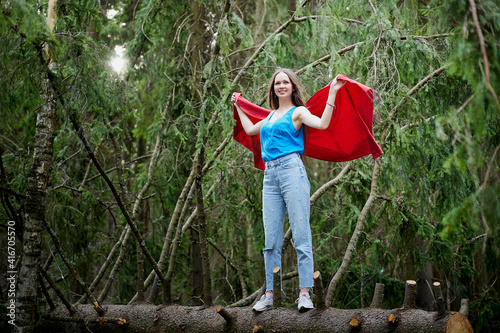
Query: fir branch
point(118, 199)
point(125, 234)
point(118, 263)
point(482, 45)
point(353, 21)
point(71, 268)
point(411, 92)
point(104, 266)
point(89, 164)
point(460, 109)
point(327, 57)
point(114, 168)
point(470, 241)
point(261, 46)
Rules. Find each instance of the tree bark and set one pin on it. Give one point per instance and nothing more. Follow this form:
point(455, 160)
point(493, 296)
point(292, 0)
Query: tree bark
point(150, 318)
point(425, 298)
point(35, 213)
point(205, 260)
point(378, 295)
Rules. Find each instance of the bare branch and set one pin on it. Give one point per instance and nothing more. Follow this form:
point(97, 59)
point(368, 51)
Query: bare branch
point(424, 37)
point(326, 58)
point(354, 238)
point(373, 7)
point(118, 199)
point(483, 48)
point(319, 192)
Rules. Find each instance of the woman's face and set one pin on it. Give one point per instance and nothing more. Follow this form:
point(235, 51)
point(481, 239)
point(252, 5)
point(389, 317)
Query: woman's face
point(282, 85)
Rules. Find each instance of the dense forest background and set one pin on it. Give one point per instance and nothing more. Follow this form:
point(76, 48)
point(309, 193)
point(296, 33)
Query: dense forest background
point(88, 150)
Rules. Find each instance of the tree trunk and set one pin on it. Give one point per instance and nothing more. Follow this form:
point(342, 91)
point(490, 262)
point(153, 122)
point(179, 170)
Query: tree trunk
point(35, 213)
point(202, 228)
point(425, 298)
point(150, 318)
point(196, 275)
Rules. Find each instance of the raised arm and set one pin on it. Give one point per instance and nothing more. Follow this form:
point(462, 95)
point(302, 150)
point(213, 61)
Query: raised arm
point(249, 127)
point(303, 116)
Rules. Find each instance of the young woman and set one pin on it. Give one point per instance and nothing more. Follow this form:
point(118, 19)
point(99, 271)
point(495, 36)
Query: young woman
point(286, 186)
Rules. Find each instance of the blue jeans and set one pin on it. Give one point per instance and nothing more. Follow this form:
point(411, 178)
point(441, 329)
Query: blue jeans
point(286, 188)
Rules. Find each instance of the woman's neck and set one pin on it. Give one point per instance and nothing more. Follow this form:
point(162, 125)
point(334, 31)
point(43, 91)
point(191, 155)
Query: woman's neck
point(285, 105)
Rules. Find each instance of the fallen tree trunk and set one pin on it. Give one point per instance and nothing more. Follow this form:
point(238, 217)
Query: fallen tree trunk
point(175, 318)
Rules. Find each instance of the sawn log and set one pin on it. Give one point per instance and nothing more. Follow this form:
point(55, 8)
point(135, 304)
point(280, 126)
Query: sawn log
point(175, 318)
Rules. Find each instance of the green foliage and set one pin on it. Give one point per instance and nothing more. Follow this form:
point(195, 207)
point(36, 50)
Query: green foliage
point(438, 191)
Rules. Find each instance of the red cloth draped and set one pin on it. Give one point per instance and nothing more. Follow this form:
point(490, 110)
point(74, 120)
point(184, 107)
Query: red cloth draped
point(348, 137)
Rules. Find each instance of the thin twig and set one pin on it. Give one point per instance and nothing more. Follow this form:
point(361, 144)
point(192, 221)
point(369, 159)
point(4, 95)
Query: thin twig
point(63, 298)
point(114, 168)
point(373, 7)
point(424, 37)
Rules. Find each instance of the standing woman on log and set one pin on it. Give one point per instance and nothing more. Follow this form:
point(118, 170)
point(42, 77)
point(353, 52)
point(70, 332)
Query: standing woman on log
point(286, 186)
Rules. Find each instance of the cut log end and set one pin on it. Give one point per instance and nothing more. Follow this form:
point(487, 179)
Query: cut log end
point(276, 270)
point(318, 287)
point(255, 329)
point(223, 312)
point(458, 323)
point(410, 295)
point(392, 319)
point(354, 323)
point(438, 293)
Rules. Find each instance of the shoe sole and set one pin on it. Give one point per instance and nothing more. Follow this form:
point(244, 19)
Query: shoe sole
point(270, 307)
point(304, 309)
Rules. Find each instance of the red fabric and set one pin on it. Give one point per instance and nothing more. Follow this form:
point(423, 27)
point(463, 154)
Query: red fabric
point(348, 137)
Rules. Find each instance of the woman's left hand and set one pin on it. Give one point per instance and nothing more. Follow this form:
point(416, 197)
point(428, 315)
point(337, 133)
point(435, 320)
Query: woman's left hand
point(336, 84)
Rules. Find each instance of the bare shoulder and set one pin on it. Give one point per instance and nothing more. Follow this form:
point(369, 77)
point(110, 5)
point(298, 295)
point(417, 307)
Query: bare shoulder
point(300, 111)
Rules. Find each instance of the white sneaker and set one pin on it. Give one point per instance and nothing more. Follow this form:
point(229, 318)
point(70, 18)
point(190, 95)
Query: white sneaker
point(265, 302)
point(305, 303)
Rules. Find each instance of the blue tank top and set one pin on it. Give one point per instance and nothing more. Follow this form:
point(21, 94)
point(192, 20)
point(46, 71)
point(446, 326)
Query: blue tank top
point(280, 138)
